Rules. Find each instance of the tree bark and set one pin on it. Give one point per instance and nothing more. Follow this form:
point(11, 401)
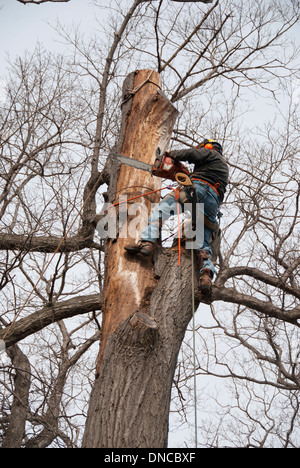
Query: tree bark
point(148, 120)
point(16, 428)
point(49, 314)
point(146, 305)
point(130, 401)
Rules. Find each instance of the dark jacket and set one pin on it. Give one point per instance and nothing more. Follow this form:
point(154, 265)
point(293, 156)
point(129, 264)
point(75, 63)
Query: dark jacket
point(210, 166)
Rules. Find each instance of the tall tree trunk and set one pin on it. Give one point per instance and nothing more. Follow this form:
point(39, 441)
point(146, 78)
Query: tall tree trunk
point(130, 401)
point(16, 428)
point(146, 304)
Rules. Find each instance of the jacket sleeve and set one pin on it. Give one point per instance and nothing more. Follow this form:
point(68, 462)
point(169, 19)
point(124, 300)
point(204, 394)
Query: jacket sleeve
point(191, 155)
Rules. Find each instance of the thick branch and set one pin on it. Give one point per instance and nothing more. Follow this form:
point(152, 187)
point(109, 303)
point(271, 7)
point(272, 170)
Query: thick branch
point(49, 244)
point(45, 244)
point(50, 314)
point(233, 296)
point(258, 275)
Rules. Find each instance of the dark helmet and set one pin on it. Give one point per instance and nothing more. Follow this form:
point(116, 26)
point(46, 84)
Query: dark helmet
point(211, 144)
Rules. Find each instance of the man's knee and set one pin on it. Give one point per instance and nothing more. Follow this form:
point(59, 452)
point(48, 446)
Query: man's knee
point(203, 254)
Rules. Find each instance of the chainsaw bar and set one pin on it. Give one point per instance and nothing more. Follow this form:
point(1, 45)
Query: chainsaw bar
point(163, 167)
point(132, 162)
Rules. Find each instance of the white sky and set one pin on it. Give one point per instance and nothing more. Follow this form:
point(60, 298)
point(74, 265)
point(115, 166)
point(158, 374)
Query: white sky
point(296, 91)
point(22, 25)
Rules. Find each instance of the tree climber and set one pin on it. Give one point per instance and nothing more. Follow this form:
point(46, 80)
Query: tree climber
point(210, 178)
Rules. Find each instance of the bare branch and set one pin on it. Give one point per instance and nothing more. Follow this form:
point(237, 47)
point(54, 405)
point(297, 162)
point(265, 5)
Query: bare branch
point(50, 314)
point(38, 2)
point(235, 297)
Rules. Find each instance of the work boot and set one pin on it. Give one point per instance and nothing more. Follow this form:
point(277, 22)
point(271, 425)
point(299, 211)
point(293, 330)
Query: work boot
point(205, 284)
point(143, 247)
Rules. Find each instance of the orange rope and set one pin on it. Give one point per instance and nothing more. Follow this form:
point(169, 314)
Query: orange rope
point(137, 196)
point(176, 193)
point(72, 224)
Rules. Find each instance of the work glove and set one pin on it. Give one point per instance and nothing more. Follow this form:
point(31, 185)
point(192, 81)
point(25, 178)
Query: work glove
point(172, 154)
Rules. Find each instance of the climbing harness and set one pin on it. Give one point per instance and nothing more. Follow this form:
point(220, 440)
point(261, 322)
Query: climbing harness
point(194, 350)
point(214, 187)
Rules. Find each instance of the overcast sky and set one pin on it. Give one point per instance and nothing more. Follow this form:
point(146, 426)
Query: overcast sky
point(22, 25)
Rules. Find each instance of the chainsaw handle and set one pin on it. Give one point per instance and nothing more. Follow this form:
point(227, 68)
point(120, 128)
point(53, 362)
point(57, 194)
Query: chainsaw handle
point(176, 161)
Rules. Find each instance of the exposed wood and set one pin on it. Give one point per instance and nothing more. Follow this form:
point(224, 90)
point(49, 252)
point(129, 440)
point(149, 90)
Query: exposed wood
point(148, 118)
point(130, 401)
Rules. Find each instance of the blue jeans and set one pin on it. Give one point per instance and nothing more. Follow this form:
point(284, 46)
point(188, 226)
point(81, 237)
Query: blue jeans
point(207, 199)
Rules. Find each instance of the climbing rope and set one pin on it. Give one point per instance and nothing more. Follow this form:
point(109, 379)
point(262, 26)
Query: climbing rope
point(194, 351)
point(135, 197)
point(176, 193)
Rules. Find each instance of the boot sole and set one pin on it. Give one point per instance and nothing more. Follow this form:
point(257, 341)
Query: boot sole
point(138, 251)
point(205, 290)
point(145, 252)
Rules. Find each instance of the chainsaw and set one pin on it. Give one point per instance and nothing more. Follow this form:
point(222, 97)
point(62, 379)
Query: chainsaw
point(164, 167)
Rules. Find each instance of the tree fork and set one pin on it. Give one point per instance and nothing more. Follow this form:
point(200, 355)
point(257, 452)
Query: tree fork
point(146, 304)
point(130, 401)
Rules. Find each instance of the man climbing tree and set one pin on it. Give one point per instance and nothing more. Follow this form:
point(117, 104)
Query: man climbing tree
point(63, 290)
point(209, 181)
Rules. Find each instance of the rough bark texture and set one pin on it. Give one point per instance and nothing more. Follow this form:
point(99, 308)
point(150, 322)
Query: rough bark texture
point(49, 314)
point(130, 402)
point(146, 305)
point(19, 408)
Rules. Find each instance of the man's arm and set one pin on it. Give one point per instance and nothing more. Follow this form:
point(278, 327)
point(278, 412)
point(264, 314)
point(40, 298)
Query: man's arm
point(191, 155)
